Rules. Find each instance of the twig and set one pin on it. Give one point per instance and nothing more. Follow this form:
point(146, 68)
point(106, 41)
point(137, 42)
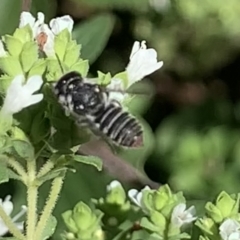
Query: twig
point(26, 5)
point(116, 166)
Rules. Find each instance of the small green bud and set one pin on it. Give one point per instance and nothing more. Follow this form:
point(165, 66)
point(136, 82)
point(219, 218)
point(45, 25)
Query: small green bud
point(18, 134)
point(207, 225)
point(160, 199)
point(104, 79)
point(227, 205)
point(124, 77)
point(83, 216)
point(147, 199)
point(214, 212)
point(116, 194)
point(70, 223)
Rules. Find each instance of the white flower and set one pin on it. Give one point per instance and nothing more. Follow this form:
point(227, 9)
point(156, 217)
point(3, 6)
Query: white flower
point(113, 185)
point(136, 196)
point(230, 230)
point(7, 205)
point(21, 95)
point(61, 23)
point(143, 62)
point(3, 53)
point(27, 18)
point(181, 216)
point(41, 31)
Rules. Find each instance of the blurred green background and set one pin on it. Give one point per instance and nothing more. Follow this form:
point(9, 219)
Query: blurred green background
point(192, 135)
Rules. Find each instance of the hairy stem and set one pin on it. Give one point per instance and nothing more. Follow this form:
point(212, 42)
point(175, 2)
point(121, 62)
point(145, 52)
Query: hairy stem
point(26, 5)
point(49, 165)
point(17, 167)
point(50, 204)
point(10, 225)
point(32, 194)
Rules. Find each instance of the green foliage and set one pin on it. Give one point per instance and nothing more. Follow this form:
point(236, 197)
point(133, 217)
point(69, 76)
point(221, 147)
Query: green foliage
point(122, 4)
point(100, 28)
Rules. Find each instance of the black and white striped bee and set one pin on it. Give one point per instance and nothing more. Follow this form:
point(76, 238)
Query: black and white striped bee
point(91, 106)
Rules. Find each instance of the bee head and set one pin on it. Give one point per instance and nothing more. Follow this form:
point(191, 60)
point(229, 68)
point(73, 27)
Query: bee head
point(87, 98)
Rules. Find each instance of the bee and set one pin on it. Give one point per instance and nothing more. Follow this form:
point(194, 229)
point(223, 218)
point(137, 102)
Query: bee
point(91, 106)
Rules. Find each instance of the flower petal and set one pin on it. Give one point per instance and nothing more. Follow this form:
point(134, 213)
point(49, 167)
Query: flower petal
point(143, 62)
point(20, 96)
point(26, 18)
point(34, 83)
point(7, 205)
point(61, 23)
point(133, 195)
point(113, 184)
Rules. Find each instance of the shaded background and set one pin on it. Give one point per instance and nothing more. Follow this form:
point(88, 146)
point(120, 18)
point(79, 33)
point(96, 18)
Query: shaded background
point(191, 123)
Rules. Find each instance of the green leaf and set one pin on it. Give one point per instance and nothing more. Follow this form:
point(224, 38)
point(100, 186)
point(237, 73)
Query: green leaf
point(38, 68)
point(131, 5)
point(9, 15)
point(40, 127)
point(50, 228)
point(93, 35)
point(24, 149)
point(91, 160)
point(72, 53)
point(29, 55)
point(10, 65)
point(104, 79)
point(81, 66)
point(5, 82)
point(8, 238)
point(3, 169)
point(60, 43)
point(14, 45)
point(53, 174)
point(24, 34)
point(13, 175)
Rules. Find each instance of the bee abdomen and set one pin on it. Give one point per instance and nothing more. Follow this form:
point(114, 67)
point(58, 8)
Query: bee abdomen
point(120, 126)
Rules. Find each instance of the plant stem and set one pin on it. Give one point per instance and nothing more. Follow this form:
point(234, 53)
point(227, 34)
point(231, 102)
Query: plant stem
point(10, 225)
point(50, 204)
point(32, 194)
point(26, 5)
point(45, 168)
point(17, 167)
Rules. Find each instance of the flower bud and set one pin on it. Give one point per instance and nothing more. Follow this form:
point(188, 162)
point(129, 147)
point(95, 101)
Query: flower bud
point(214, 212)
point(207, 225)
point(116, 194)
point(83, 216)
point(227, 205)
